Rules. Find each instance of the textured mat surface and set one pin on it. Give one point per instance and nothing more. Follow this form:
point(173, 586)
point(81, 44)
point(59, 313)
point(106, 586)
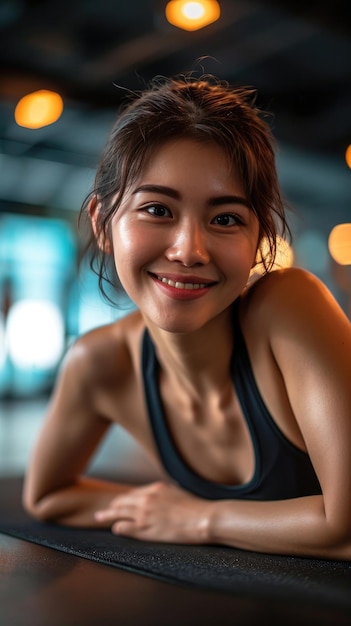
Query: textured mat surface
point(211, 567)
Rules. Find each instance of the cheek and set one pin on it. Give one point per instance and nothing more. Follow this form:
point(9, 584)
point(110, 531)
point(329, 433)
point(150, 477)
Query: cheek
point(126, 241)
point(122, 235)
point(239, 256)
point(132, 248)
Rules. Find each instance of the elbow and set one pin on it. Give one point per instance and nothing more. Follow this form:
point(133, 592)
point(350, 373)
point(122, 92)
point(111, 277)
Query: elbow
point(331, 530)
point(36, 508)
point(342, 546)
point(340, 550)
point(338, 541)
point(33, 509)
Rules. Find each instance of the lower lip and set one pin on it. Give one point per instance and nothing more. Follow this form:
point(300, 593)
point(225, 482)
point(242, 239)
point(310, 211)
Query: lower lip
point(181, 294)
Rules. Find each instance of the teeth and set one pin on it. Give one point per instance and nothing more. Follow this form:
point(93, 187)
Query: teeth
point(179, 285)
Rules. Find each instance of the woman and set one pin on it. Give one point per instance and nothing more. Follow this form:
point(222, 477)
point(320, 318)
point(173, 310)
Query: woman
point(240, 389)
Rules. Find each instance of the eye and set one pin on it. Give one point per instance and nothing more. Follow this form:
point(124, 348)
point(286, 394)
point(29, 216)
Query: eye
point(227, 219)
point(158, 210)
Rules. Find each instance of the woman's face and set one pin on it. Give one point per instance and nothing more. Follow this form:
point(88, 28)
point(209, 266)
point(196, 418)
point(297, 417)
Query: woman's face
point(184, 237)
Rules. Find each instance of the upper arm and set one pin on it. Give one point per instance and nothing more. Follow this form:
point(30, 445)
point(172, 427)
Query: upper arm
point(72, 429)
point(310, 337)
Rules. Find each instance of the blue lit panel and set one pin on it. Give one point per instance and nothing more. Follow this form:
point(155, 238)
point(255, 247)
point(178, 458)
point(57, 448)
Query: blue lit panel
point(37, 268)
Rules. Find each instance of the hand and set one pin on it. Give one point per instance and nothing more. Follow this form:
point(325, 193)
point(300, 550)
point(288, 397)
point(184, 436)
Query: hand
point(158, 512)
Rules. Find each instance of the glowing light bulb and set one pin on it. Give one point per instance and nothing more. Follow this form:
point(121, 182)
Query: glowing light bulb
point(193, 10)
point(192, 15)
point(39, 109)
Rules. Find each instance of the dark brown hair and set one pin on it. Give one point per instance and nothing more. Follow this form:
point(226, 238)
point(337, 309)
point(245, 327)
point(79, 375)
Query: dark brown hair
point(205, 109)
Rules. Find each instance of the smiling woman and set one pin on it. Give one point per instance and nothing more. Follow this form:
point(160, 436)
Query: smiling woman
point(189, 238)
point(235, 387)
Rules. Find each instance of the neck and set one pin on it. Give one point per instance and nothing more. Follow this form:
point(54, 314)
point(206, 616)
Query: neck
point(198, 361)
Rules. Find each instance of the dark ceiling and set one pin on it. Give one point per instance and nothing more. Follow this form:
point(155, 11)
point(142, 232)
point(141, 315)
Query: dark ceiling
point(298, 56)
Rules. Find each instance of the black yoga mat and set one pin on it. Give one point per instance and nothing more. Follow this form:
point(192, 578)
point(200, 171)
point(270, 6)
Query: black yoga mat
point(327, 583)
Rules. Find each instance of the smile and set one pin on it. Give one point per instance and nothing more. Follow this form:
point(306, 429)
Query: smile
point(179, 285)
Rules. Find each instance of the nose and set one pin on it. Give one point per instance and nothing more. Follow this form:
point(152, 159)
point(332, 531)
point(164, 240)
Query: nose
point(189, 245)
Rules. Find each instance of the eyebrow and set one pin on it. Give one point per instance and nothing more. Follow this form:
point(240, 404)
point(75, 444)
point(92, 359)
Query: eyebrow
point(173, 193)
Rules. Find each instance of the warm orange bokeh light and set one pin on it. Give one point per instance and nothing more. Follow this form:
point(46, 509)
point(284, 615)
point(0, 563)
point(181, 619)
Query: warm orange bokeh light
point(194, 15)
point(339, 244)
point(39, 109)
point(348, 156)
point(284, 256)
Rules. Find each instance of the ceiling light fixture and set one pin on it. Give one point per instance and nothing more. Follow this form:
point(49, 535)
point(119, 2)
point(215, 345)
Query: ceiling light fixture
point(39, 109)
point(192, 15)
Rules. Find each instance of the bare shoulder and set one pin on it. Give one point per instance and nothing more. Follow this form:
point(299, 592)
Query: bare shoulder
point(103, 355)
point(290, 298)
point(296, 319)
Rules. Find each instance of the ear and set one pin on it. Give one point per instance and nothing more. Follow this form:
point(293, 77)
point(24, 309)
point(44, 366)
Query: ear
point(103, 240)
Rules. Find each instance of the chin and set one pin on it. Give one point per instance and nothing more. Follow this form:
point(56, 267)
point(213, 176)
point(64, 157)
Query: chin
point(177, 327)
point(181, 324)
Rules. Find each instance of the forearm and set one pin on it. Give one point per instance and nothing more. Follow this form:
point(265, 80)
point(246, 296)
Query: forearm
point(293, 527)
point(76, 504)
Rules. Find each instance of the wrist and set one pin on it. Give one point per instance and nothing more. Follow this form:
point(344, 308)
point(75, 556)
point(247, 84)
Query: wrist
point(207, 523)
point(217, 521)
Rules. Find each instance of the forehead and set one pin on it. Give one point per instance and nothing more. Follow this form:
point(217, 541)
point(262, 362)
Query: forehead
point(189, 159)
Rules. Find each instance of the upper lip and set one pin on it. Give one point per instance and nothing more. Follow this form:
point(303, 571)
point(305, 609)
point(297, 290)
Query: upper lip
point(185, 278)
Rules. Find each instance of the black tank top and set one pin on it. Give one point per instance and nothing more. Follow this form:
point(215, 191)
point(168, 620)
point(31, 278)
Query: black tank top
point(282, 471)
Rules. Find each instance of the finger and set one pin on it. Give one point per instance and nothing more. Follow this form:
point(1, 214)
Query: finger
point(114, 512)
point(107, 515)
point(133, 529)
point(129, 498)
point(126, 528)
